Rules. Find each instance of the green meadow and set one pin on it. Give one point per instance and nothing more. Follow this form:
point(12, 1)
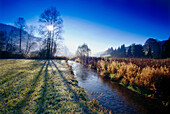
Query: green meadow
point(42, 86)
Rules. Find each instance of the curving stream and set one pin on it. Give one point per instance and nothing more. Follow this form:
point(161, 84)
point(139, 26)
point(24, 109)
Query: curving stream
point(110, 95)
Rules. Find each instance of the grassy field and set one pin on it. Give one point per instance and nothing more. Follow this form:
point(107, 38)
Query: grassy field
point(44, 86)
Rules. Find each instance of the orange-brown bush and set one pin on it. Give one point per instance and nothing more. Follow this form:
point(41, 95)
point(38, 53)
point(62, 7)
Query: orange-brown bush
point(156, 79)
point(142, 63)
point(132, 74)
point(150, 75)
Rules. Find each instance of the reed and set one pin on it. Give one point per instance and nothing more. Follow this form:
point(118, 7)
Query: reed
point(150, 75)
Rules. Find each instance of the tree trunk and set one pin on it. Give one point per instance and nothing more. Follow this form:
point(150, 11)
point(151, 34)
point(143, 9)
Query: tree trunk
point(48, 45)
point(52, 44)
point(20, 39)
point(26, 50)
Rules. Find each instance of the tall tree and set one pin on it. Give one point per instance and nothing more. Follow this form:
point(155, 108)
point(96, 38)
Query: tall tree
point(137, 51)
point(133, 51)
point(122, 51)
point(167, 48)
point(149, 53)
point(3, 40)
point(129, 53)
point(11, 36)
point(83, 51)
point(29, 41)
point(20, 23)
point(51, 28)
point(153, 46)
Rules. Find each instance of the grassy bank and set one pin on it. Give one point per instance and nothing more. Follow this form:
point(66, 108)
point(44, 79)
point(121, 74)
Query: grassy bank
point(44, 86)
point(148, 77)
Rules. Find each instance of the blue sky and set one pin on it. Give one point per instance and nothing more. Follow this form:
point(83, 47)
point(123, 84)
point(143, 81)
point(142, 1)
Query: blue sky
point(99, 23)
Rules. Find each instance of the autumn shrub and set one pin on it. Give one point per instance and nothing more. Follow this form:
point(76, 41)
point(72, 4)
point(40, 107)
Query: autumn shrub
point(144, 62)
point(151, 76)
point(112, 67)
point(102, 66)
point(132, 71)
point(121, 70)
point(156, 79)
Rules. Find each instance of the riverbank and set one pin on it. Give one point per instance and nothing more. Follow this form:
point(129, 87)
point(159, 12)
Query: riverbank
point(147, 77)
point(46, 86)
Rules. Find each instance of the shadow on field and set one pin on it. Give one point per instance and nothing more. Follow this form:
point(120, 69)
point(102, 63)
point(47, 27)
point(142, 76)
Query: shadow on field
point(23, 102)
point(13, 75)
point(76, 96)
point(41, 104)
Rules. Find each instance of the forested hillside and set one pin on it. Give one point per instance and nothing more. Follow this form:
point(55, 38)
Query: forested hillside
point(152, 48)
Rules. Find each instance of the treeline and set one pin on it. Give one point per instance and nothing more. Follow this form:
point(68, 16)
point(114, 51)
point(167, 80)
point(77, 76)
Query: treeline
point(151, 49)
point(20, 42)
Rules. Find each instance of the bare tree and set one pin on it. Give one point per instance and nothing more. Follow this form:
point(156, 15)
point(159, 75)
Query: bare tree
point(30, 43)
point(20, 23)
point(3, 40)
point(10, 43)
point(51, 28)
point(83, 51)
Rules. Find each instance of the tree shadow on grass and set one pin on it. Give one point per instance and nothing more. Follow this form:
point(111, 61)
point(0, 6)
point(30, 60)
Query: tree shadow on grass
point(76, 96)
point(22, 103)
point(19, 75)
point(41, 104)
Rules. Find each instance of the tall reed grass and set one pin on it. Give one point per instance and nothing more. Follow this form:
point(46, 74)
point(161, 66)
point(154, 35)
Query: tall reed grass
point(151, 77)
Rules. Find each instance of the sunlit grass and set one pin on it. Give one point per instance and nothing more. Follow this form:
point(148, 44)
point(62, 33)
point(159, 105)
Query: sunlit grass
point(30, 86)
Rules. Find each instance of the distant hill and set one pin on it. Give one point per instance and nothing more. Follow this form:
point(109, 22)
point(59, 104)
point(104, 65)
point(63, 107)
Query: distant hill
point(9, 28)
point(11, 34)
point(97, 54)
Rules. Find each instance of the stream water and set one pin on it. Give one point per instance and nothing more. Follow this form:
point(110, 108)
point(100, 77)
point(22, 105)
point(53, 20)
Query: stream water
point(110, 94)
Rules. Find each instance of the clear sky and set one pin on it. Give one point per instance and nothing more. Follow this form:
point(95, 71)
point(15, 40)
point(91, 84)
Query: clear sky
point(98, 23)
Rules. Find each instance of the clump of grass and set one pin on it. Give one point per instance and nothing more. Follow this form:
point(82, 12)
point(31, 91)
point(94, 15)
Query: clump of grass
point(94, 106)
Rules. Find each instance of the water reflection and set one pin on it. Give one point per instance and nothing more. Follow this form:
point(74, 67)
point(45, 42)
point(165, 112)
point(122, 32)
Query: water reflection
point(111, 95)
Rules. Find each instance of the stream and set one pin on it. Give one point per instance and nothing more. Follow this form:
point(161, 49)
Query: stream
point(110, 94)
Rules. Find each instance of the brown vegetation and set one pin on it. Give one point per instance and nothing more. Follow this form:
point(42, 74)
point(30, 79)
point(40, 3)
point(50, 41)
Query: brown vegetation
point(149, 77)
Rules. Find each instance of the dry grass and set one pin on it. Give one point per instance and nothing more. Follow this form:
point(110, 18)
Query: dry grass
point(147, 76)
